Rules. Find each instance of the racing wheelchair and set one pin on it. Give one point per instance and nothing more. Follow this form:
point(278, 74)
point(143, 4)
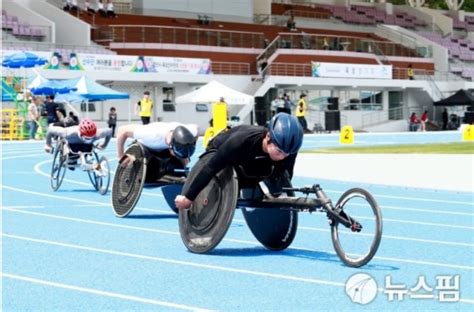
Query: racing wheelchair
point(355, 220)
point(148, 169)
point(83, 156)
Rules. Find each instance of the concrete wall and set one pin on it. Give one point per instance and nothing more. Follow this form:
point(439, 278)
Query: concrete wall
point(445, 23)
point(27, 15)
point(440, 53)
point(72, 31)
point(241, 8)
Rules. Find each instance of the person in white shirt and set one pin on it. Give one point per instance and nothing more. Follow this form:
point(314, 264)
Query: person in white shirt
point(176, 138)
point(33, 116)
point(110, 9)
point(101, 9)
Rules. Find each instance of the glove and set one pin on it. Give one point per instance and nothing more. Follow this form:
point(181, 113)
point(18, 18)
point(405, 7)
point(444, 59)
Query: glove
point(48, 149)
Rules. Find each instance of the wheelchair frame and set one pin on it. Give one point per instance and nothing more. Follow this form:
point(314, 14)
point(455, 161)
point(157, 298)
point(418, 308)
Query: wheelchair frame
point(88, 161)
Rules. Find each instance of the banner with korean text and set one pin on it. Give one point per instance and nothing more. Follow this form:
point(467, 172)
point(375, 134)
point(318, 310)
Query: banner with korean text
point(121, 63)
point(344, 70)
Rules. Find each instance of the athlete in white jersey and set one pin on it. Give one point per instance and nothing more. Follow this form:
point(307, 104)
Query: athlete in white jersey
point(179, 139)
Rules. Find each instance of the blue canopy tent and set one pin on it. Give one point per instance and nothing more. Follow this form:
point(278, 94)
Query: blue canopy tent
point(94, 91)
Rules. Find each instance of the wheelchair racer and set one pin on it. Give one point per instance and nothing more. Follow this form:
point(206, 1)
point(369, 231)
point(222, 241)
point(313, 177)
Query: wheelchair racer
point(80, 138)
point(255, 148)
point(172, 142)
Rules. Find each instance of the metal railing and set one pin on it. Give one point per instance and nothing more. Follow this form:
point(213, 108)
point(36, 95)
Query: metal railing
point(46, 46)
point(304, 70)
point(179, 35)
point(340, 43)
point(229, 68)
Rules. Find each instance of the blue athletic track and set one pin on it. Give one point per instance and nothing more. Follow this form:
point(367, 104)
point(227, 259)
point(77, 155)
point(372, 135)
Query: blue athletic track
point(66, 250)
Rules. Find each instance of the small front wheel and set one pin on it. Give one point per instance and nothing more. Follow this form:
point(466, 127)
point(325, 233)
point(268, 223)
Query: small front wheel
point(357, 244)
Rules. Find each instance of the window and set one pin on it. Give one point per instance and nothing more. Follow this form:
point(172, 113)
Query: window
point(202, 108)
point(84, 108)
point(168, 100)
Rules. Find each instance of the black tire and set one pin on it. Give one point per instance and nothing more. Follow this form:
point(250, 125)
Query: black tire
point(128, 182)
point(205, 224)
point(371, 222)
point(59, 165)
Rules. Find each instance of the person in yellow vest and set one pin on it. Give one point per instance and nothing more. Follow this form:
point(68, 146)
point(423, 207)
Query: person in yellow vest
point(410, 73)
point(219, 115)
point(301, 108)
point(145, 106)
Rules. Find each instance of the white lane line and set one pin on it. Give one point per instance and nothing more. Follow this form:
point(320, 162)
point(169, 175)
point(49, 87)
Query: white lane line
point(449, 212)
point(232, 240)
point(21, 156)
point(102, 292)
point(39, 171)
point(38, 165)
point(55, 196)
point(464, 227)
point(192, 264)
point(177, 262)
point(21, 207)
point(93, 204)
point(385, 236)
point(469, 203)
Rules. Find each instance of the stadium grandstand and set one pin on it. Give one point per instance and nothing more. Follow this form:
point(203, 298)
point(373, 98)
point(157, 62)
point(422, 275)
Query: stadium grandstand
point(368, 64)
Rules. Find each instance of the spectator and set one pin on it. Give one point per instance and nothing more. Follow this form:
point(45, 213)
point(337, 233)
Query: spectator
point(74, 118)
point(278, 105)
point(414, 122)
point(410, 72)
point(110, 9)
point(74, 8)
point(33, 116)
point(263, 68)
point(301, 108)
point(145, 106)
point(101, 9)
point(290, 24)
point(288, 104)
point(88, 7)
point(112, 122)
point(445, 119)
point(424, 120)
point(52, 110)
point(67, 5)
point(326, 43)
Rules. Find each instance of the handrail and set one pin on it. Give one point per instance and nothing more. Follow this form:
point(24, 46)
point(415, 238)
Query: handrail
point(183, 28)
point(179, 35)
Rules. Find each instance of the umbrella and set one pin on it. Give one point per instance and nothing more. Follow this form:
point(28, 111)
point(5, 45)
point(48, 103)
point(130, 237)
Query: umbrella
point(23, 60)
point(52, 87)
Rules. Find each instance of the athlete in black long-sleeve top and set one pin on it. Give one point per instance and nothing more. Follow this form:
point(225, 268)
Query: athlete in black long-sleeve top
point(250, 147)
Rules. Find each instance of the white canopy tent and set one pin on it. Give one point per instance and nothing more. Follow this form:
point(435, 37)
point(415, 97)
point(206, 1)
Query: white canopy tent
point(212, 91)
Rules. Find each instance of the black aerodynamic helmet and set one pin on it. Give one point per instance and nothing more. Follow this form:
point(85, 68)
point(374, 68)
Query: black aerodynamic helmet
point(286, 132)
point(183, 142)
